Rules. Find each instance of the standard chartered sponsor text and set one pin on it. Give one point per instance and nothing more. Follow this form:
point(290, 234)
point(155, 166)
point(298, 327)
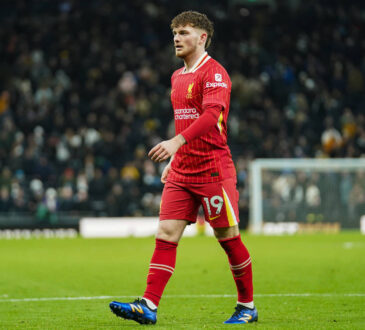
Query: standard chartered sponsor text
point(188, 113)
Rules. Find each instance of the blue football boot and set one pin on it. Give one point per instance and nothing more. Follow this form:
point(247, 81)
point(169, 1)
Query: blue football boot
point(243, 315)
point(137, 311)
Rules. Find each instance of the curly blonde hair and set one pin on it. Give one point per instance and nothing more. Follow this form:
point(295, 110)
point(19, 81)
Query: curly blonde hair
point(197, 20)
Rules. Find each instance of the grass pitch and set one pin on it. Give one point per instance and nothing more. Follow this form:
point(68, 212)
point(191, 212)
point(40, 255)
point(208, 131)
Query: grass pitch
point(301, 282)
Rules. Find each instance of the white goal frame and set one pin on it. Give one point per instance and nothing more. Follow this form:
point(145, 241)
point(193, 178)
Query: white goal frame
point(256, 167)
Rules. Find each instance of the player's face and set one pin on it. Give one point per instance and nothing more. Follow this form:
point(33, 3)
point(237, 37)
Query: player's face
point(187, 40)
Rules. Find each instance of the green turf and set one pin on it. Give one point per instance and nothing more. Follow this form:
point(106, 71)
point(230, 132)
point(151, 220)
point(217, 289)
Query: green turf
point(316, 264)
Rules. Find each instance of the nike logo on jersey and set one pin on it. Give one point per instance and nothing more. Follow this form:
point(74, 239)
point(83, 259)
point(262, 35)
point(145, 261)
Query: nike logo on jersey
point(210, 219)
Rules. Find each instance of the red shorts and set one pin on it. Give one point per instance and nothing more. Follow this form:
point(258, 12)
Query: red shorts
point(181, 201)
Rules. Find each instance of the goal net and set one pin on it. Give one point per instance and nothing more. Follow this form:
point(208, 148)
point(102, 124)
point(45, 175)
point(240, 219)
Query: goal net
point(307, 191)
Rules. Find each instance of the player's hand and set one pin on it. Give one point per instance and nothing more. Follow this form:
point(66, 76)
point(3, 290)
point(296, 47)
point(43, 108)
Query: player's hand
point(165, 172)
point(166, 149)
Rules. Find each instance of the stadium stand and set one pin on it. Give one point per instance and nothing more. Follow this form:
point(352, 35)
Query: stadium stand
point(84, 94)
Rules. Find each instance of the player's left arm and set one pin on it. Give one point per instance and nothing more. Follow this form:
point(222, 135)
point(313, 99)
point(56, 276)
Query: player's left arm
point(216, 87)
point(166, 149)
point(201, 126)
point(204, 123)
point(216, 91)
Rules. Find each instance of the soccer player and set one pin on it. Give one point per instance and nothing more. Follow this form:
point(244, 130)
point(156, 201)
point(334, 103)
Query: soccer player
point(200, 172)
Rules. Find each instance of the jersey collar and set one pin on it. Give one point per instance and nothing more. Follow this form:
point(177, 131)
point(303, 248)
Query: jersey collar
point(199, 63)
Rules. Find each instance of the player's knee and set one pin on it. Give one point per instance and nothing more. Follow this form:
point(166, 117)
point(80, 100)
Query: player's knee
point(227, 232)
point(167, 235)
point(168, 232)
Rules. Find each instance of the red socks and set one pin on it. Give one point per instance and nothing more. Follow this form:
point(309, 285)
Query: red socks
point(163, 264)
point(161, 268)
point(240, 262)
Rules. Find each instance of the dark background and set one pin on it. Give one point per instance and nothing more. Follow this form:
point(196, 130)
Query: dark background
point(84, 94)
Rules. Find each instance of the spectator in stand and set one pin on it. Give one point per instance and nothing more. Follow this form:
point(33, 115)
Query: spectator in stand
point(5, 200)
point(87, 100)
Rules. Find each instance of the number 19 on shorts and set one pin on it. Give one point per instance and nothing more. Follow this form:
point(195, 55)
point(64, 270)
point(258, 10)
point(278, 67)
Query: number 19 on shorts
point(215, 203)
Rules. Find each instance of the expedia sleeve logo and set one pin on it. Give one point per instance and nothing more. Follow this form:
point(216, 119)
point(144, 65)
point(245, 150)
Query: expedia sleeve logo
point(189, 95)
point(218, 82)
point(218, 77)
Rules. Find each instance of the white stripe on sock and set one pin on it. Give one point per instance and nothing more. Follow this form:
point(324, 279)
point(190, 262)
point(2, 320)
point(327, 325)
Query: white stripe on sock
point(161, 265)
point(161, 268)
point(243, 265)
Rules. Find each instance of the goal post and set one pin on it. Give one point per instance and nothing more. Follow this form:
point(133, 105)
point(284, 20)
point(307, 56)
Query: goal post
point(306, 190)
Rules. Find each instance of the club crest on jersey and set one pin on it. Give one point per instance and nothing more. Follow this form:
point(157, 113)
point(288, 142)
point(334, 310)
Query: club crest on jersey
point(189, 95)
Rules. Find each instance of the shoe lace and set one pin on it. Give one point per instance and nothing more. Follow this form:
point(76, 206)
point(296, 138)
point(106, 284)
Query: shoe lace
point(238, 311)
point(141, 302)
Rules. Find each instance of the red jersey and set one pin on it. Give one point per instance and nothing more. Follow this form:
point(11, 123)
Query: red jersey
point(206, 158)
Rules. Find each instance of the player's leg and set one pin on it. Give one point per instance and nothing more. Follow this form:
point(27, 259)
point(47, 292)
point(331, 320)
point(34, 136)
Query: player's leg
point(178, 208)
point(163, 260)
point(176, 203)
point(220, 203)
point(240, 262)
point(241, 267)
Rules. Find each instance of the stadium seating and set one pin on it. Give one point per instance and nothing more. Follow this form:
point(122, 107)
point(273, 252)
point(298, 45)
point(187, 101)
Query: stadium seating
point(84, 94)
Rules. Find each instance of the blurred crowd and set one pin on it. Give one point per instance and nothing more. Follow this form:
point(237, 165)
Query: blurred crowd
point(314, 196)
point(84, 94)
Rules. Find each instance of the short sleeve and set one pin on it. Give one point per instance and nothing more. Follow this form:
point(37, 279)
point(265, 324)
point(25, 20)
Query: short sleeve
point(217, 87)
